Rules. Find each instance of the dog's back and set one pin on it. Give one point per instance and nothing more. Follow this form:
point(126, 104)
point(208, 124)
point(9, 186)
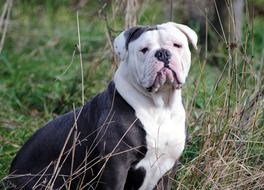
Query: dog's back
point(73, 150)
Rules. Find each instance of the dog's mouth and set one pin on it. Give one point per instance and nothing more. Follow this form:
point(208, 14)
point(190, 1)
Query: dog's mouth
point(165, 77)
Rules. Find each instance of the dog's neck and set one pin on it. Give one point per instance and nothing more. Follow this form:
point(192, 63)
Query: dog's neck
point(140, 99)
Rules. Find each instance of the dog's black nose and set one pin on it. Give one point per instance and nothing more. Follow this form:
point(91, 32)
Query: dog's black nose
point(163, 55)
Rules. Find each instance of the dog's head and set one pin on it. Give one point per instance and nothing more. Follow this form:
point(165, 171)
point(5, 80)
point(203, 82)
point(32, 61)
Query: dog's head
point(157, 57)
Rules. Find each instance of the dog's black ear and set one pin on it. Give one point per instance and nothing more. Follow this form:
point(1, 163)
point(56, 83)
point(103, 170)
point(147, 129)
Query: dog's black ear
point(122, 41)
point(133, 34)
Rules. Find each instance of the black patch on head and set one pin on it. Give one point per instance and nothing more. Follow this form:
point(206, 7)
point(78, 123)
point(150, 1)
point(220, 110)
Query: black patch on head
point(135, 32)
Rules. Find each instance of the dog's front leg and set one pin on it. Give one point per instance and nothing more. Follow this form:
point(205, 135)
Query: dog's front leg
point(114, 175)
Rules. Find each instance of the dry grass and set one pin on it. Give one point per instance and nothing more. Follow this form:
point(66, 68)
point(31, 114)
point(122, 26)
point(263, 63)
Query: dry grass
point(226, 134)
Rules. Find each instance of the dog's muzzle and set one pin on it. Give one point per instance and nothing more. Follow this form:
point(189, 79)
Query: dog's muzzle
point(163, 55)
point(166, 75)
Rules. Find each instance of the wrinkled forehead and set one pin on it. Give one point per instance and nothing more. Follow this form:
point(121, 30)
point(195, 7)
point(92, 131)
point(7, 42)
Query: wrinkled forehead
point(155, 34)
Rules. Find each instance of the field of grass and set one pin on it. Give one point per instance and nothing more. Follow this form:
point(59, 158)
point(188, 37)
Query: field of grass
point(40, 78)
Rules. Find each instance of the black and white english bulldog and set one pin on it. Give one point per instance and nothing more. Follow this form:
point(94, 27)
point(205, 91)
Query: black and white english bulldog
point(127, 137)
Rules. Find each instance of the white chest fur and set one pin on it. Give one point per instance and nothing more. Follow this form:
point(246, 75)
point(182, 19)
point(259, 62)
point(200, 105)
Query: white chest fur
point(165, 138)
point(163, 118)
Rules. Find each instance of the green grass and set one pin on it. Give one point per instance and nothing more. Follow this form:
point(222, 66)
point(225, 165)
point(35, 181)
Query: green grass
point(35, 82)
point(225, 120)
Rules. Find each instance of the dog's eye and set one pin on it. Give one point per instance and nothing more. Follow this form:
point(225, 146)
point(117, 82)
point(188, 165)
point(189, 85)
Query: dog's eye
point(144, 50)
point(177, 45)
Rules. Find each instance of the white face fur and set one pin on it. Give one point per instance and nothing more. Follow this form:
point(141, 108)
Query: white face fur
point(141, 55)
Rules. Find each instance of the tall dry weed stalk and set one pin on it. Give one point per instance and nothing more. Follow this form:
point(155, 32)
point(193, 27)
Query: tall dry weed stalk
point(4, 21)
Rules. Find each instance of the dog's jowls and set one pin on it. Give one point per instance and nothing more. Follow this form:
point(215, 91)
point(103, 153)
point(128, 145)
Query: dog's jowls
point(126, 137)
